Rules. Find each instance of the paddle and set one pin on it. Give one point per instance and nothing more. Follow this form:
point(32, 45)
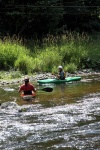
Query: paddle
point(47, 89)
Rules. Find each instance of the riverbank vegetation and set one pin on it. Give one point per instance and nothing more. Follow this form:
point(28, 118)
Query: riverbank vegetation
point(69, 36)
point(72, 50)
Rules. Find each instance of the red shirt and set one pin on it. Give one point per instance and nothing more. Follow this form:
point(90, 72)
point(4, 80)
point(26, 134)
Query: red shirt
point(28, 87)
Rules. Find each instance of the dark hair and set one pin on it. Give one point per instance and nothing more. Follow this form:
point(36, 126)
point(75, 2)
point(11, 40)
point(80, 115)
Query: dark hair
point(26, 81)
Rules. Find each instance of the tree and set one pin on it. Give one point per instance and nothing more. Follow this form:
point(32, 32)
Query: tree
point(82, 14)
point(41, 17)
point(30, 17)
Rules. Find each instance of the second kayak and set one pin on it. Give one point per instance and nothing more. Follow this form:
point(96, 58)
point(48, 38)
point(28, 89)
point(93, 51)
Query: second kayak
point(68, 79)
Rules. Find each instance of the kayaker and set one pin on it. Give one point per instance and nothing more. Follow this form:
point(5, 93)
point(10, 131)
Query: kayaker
point(27, 88)
point(61, 73)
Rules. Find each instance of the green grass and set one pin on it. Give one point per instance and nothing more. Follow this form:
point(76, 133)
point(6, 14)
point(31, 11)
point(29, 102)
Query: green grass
point(72, 50)
point(46, 59)
point(10, 53)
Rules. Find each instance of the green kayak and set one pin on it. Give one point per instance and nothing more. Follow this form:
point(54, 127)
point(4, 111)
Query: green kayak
point(68, 79)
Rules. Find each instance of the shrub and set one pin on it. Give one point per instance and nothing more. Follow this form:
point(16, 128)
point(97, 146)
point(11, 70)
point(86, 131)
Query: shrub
point(9, 52)
point(47, 59)
point(24, 64)
point(72, 53)
point(71, 68)
point(54, 69)
point(76, 50)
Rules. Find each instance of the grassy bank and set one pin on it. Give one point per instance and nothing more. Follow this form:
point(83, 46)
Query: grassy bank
point(72, 50)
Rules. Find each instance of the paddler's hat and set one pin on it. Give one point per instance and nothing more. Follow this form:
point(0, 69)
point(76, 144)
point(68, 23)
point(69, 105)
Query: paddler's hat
point(60, 67)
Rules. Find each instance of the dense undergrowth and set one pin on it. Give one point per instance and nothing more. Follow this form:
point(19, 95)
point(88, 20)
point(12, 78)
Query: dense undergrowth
point(71, 50)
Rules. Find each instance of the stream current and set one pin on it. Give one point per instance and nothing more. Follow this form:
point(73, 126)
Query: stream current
point(66, 119)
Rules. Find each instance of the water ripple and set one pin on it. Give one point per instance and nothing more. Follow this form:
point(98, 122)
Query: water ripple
point(72, 126)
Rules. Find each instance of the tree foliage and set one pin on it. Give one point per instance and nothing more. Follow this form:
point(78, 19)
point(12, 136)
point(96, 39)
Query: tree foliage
point(30, 17)
point(41, 17)
point(82, 14)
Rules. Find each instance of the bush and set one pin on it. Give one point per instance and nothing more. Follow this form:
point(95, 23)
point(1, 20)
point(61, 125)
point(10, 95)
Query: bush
point(24, 64)
point(55, 70)
point(9, 52)
point(76, 50)
point(72, 53)
point(47, 59)
point(71, 68)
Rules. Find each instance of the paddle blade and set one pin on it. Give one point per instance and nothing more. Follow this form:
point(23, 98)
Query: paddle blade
point(48, 89)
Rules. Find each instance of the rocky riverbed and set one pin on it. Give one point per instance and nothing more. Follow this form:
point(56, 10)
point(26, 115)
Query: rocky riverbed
point(38, 76)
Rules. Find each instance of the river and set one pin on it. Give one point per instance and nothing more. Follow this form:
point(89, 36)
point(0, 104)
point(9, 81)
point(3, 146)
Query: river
point(66, 119)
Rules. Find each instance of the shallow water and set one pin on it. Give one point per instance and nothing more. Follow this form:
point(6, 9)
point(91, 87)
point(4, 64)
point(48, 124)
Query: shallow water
point(66, 119)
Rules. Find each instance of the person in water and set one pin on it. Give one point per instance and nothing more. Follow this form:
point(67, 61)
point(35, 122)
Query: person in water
point(61, 73)
point(27, 88)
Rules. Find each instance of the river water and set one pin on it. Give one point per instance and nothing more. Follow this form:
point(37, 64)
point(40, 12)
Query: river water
point(66, 119)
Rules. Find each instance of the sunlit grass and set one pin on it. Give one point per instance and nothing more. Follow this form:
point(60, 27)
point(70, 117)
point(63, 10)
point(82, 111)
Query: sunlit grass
point(10, 51)
point(72, 50)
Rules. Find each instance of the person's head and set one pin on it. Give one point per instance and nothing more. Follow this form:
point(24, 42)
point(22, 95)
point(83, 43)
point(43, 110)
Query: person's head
point(60, 68)
point(26, 79)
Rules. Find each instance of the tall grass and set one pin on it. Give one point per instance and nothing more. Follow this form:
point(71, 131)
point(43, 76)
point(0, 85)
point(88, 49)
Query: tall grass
point(10, 53)
point(46, 59)
point(24, 63)
point(72, 50)
point(93, 60)
point(67, 50)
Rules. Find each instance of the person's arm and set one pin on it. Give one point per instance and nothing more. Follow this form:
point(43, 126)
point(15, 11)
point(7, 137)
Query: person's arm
point(20, 89)
point(33, 89)
point(58, 76)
